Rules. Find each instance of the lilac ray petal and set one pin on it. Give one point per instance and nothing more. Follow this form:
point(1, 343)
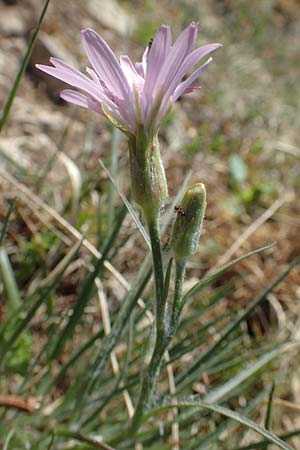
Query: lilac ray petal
point(144, 61)
point(183, 86)
point(157, 55)
point(192, 59)
point(140, 69)
point(66, 73)
point(76, 98)
point(187, 39)
point(105, 63)
point(183, 46)
point(93, 75)
point(191, 89)
point(130, 72)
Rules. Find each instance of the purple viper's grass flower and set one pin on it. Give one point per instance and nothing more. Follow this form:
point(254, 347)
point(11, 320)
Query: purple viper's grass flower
point(134, 95)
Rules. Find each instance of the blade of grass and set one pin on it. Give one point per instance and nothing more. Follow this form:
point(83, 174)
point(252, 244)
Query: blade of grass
point(80, 437)
point(128, 205)
point(268, 421)
point(221, 393)
point(13, 299)
point(228, 425)
point(76, 183)
point(212, 277)
point(7, 440)
point(262, 444)
point(116, 136)
point(6, 221)
point(224, 412)
point(22, 69)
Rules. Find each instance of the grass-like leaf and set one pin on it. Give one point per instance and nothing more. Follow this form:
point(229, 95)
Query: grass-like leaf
point(13, 299)
point(268, 421)
point(213, 276)
point(222, 392)
point(76, 183)
point(80, 437)
point(128, 206)
point(6, 221)
point(22, 69)
point(262, 444)
point(224, 412)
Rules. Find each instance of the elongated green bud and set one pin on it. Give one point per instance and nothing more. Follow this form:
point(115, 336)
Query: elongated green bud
point(148, 180)
point(188, 224)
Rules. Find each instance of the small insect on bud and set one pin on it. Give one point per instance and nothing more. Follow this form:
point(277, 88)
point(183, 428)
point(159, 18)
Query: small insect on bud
point(179, 209)
point(150, 44)
point(188, 224)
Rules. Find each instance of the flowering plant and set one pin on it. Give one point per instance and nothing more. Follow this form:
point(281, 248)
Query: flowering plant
point(136, 98)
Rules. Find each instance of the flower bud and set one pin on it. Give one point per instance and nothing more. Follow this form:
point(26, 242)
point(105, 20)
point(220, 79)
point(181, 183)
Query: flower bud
point(188, 224)
point(148, 180)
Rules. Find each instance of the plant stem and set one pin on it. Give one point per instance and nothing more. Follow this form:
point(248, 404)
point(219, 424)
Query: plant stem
point(151, 372)
point(177, 301)
point(149, 380)
point(153, 227)
point(152, 219)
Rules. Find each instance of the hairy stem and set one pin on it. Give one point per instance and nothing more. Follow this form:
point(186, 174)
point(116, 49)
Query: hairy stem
point(151, 372)
point(177, 301)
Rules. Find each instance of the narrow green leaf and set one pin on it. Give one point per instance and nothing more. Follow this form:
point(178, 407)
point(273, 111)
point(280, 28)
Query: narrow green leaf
point(222, 392)
point(76, 183)
point(268, 421)
point(208, 279)
point(116, 135)
point(13, 300)
point(167, 281)
point(80, 437)
point(7, 440)
point(224, 412)
point(228, 424)
point(6, 221)
point(262, 444)
point(22, 69)
point(128, 205)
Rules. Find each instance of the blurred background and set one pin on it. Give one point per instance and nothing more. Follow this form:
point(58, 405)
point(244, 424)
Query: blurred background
point(239, 135)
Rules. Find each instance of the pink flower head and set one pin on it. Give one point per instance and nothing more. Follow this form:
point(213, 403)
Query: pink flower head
point(131, 95)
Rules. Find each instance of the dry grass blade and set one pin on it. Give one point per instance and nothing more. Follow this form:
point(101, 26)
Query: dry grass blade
point(107, 329)
point(76, 183)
